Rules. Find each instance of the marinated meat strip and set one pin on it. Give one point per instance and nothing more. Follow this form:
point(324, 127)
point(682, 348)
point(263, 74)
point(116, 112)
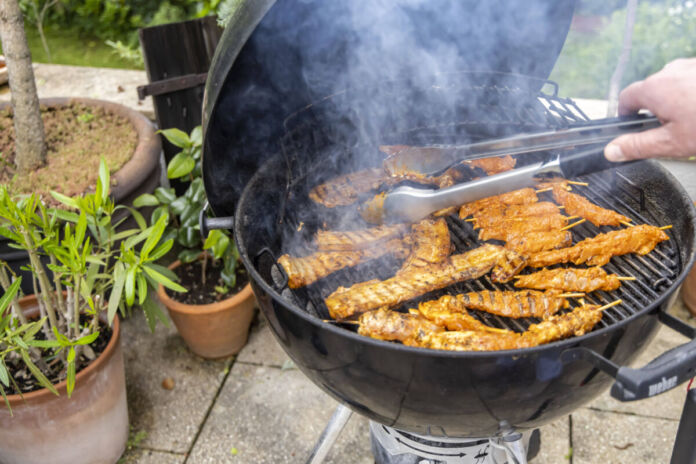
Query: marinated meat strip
point(431, 244)
point(394, 166)
point(483, 221)
point(516, 197)
point(351, 240)
point(384, 324)
point(372, 210)
point(416, 281)
point(578, 322)
point(450, 312)
point(575, 205)
point(570, 280)
point(540, 240)
point(542, 208)
point(509, 229)
point(308, 269)
point(493, 165)
point(513, 304)
point(345, 190)
point(598, 250)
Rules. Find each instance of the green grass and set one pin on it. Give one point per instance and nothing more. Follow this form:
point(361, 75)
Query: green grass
point(68, 47)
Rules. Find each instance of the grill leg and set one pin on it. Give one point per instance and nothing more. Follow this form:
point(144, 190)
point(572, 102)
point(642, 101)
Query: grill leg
point(684, 451)
point(512, 445)
point(330, 434)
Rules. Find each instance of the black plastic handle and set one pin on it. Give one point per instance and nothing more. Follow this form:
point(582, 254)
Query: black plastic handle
point(206, 224)
point(587, 161)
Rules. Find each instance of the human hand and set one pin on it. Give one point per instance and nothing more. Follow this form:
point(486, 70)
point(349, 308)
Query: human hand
point(670, 94)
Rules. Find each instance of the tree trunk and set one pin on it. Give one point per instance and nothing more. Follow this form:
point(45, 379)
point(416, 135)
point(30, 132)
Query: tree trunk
point(30, 145)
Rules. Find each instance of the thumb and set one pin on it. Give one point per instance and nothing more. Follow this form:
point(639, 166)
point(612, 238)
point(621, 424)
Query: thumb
point(648, 144)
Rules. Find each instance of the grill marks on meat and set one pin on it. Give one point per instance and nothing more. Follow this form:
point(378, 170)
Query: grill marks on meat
point(558, 327)
point(508, 229)
point(431, 244)
point(345, 190)
point(576, 205)
point(493, 165)
point(395, 167)
point(308, 269)
point(351, 240)
point(598, 250)
point(540, 240)
point(570, 280)
point(384, 324)
point(542, 208)
point(449, 312)
point(516, 197)
point(526, 303)
point(417, 281)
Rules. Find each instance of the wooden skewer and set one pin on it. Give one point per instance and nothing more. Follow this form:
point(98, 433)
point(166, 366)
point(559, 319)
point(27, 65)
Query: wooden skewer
point(495, 329)
point(666, 227)
point(547, 189)
point(572, 217)
point(573, 224)
point(571, 295)
point(627, 224)
point(574, 182)
point(627, 278)
point(561, 207)
point(613, 303)
point(470, 220)
point(331, 321)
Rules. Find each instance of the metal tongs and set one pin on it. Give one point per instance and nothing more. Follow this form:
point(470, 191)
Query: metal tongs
point(412, 204)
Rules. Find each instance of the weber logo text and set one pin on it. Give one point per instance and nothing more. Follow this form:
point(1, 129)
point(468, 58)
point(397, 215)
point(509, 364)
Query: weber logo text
point(662, 385)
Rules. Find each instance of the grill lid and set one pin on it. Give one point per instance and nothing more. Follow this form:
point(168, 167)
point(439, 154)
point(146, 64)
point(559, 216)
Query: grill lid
point(275, 58)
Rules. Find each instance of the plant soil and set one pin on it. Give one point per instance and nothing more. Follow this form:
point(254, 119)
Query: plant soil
point(27, 383)
point(199, 293)
point(77, 136)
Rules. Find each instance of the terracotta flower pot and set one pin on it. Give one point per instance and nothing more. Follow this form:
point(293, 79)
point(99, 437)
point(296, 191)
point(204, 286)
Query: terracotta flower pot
point(91, 426)
point(688, 291)
point(213, 330)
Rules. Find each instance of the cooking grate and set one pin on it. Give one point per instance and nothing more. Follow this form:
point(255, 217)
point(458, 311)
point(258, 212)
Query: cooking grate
point(654, 272)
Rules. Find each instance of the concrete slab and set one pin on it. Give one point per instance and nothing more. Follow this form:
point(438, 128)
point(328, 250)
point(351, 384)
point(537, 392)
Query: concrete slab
point(170, 418)
point(613, 438)
point(555, 442)
point(147, 456)
point(115, 85)
point(269, 415)
point(262, 348)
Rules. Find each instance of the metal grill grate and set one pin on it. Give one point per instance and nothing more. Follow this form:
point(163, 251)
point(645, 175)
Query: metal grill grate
point(654, 272)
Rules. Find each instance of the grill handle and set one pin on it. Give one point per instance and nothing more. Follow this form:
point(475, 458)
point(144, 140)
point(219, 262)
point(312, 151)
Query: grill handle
point(663, 373)
point(206, 224)
point(583, 162)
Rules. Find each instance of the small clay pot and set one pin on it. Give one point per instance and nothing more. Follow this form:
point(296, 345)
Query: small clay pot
point(90, 426)
point(213, 330)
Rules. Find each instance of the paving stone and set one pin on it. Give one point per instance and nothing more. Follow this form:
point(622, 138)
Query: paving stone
point(115, 85)
point(148, 456)
point(613, 438)
point(170, 418)
point(270, 415)
point(555, 442)
point(262, 348)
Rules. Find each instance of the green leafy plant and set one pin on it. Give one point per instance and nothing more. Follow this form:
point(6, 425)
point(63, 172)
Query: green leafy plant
point(183, 211)
point(95, 271)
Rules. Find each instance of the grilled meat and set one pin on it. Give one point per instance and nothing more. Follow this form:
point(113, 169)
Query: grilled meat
point(575, 205)
point(509, 229)
point(577, 322)
point(384, 324)
point(372, 210)
point(598, 250)
point(450, 312)
point(308, 269)
point(570, 280)
point(345, 190)
point(431, 244)
point(415, 281)
point(493, 165)
point(352, 240)
point(516, 197)
point(512, 304)
point(394, 166)
point(540, 240)
point(542, 208)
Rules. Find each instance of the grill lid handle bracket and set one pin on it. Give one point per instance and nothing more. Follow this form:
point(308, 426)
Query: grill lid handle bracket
point(206, 224)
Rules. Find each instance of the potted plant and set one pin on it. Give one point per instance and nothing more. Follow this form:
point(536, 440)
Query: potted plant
point(61, 367)
point(214, 316)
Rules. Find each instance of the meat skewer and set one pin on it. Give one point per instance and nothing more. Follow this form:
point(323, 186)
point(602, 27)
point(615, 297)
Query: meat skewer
point(580, 206)
point(508, 229)
point(394, 167)
point(449, 312)
point(431, 244)
point(598, 250)
point(416, 281)
point(575, 323)
point(540, 240)
point(516, 197)
point(345, 190)
point(385, 324)
point(352, 240)
point(570, 280)
point(513, 304)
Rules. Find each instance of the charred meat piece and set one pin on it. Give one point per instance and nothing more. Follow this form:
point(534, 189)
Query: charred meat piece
point(575, 205)
point(570, 280)
point(578, 322)
point(352, 240)
point(308, 269)
point(512, 304)
point(493, 165)
point(431, 244)
point(450, 312)
point(394, 165)
point(417, 281)
point(509, 229)
point(345, 190)
point(516, 197)
point(598, 250)
point(385, 324)
point(540, 240)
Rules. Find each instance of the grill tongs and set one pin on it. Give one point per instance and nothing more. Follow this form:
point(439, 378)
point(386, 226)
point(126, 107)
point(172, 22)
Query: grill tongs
point(563, 160)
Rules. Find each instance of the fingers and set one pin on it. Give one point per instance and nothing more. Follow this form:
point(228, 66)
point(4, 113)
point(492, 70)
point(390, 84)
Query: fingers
point(648, 144)
point(633, 98)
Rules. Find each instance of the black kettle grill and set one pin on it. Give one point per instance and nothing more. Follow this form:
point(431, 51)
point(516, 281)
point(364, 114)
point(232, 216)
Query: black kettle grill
point(302, 91)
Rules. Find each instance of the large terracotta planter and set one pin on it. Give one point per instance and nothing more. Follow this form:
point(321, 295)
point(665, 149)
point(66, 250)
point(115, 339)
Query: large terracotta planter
point(90, 427)
point(214, 330)
point(141, 174)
